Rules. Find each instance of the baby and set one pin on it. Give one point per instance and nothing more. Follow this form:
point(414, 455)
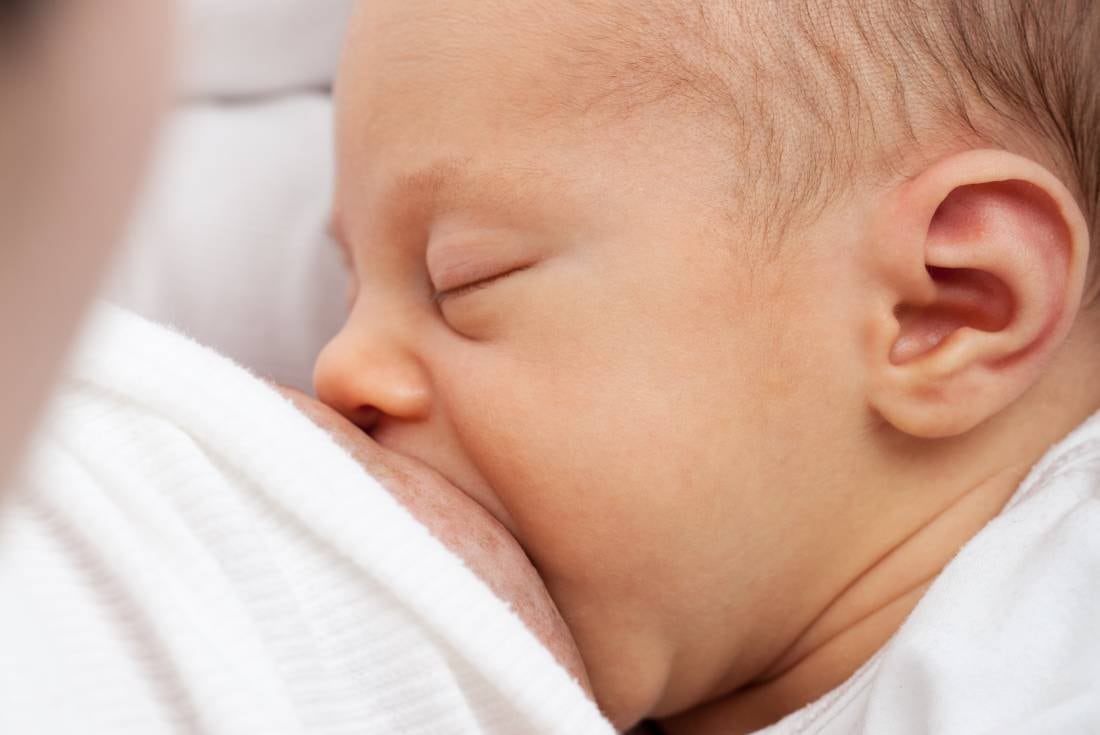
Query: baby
point(742, 317)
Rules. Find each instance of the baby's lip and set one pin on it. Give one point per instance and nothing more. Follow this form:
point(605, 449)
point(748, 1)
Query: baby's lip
point(417, 485)
point(478, 493)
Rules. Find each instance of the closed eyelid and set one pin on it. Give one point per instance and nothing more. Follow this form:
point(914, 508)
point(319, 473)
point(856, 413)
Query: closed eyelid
point(443, 295)
point(470, 269)
point(459, 256)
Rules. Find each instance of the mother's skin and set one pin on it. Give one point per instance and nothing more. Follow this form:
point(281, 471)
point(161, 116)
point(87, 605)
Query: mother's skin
point(466, 528)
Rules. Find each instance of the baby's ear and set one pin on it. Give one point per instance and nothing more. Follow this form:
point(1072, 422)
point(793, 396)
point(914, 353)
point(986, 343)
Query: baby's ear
point(981, 263)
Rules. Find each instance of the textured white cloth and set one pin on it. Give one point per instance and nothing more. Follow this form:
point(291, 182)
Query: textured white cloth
point(187, 553)
point(1007, 638)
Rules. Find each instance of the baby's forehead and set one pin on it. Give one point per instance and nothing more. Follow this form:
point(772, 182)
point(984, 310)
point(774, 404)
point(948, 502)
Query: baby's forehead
point(761, 85)
point(547, 57)
point(479, 77)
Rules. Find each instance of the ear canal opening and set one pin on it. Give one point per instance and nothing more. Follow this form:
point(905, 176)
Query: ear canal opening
point(981, 297)
point(965, 297)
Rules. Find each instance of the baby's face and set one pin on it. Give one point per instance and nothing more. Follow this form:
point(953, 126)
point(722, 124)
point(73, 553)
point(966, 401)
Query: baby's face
point(554, 308)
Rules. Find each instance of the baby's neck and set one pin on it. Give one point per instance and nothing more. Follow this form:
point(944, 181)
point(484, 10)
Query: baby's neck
point(883, 590)
point(858, 622)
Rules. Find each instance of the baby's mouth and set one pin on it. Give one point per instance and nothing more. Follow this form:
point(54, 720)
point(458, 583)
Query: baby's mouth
point(477, 492)
point(463, 525)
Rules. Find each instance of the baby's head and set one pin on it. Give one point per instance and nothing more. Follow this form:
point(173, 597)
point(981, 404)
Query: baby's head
point(699, 298)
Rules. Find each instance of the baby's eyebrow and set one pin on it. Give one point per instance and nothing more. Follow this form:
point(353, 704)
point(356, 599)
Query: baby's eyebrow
point(451, 183)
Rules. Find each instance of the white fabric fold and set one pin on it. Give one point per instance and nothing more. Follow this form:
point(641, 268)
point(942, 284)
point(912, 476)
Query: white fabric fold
point(188, 553)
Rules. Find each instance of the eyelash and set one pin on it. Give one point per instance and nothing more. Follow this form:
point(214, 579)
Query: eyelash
point(440, 296)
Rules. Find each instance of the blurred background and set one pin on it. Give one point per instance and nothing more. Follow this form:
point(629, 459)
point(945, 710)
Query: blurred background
point(229, 243)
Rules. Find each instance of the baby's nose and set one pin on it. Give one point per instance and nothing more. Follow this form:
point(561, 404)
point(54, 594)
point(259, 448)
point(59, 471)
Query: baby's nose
point(367, 379)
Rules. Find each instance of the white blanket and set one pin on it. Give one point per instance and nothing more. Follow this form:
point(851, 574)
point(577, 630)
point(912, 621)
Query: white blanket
point(1007, 639)
point(188, 553)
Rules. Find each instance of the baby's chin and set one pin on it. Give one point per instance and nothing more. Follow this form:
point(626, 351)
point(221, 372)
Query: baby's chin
point(462, 525)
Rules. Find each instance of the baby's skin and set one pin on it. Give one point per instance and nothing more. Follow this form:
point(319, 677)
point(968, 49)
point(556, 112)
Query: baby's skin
point(736, 448)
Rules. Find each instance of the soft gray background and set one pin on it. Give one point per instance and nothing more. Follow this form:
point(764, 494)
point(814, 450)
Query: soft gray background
point(229, 243)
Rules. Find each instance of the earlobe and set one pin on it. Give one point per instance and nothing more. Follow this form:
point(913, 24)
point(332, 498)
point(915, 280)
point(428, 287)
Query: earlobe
point(982, 264)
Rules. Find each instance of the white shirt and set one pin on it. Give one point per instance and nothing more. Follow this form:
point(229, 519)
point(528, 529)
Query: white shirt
point(189, 554)
point(1007, 638)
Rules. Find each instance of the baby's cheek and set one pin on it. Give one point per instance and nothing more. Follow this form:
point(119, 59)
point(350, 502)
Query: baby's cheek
point(571, 462)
